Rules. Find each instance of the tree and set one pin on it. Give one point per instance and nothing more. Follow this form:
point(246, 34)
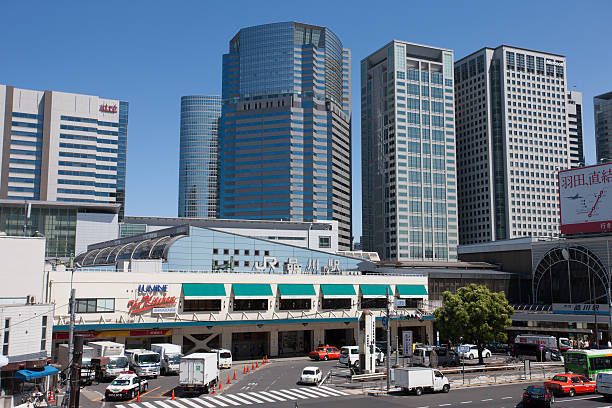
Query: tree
point(475, 315)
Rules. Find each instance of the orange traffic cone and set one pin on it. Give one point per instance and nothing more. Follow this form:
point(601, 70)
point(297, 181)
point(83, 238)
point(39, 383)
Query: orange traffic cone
point(247, 368)
point(138, 397)
point(252, 366)
point(244, 369)
point(228, 380)
point(51, 398)
point(172, 396)
point(214, 391)
point(220, 385)
point(234, 375)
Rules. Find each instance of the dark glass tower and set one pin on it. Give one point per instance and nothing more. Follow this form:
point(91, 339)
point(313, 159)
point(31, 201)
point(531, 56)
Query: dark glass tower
point(198, 192)
point(285, 145)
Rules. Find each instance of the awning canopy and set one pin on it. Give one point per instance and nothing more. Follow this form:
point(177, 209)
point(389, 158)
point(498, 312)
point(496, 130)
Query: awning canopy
point(331, 291)
point(296, 291)
point(411, 291)
point(30, 374)
point(195, 291)
point(251, 290)
point(375, 291)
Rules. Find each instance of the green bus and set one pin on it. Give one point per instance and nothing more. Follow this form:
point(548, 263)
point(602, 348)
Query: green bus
point(588, 362)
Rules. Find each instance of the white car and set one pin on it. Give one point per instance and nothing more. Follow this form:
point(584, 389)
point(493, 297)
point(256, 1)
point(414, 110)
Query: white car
point(473, 353)
point(311, 375)
point(349, 355)
point(126, 386)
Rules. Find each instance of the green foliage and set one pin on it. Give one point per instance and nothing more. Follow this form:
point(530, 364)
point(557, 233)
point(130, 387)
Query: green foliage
point(474, 315)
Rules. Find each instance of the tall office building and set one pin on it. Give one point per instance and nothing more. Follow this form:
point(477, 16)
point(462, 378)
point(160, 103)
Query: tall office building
point(198, 166)
point(512, 139)
point(60, 146)
point(285, 140)
point(602, 105)
point(409, 195)
point(574, 128)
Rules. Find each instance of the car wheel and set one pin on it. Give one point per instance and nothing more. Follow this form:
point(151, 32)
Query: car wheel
point(488, 355)
point(418, 391)
point(470, 357)
point(378, 362)
point(446, 388)
point(146, 386)
point(325, 358)
point(571, 392)
point(356, 365)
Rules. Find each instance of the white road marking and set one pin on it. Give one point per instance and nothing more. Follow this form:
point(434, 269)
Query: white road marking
point(327, 393)
point(334, 390)
point(488, 399)
point(192, 402)
point(465, 402)
point(307, 393)
point(315, 391)
point(259, 395)
point(506, 397)
point(211, 399)
point(294, 394)
point(224, 399)
point(148, 405)
point(237, 398)
point(249, 397)
point(444, 405)
point(134, 405)
point(176, 403)
point(163, 404)
point(269, 394)
point(120, 406)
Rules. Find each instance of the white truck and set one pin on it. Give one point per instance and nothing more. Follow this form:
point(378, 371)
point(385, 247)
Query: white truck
point(198, 372)
point(419, 379)
point(87, 373)
point(169, 355)
point(603, 385)
point(224, 358)
point(145, 363)
point(551, 342)
point(116, 361)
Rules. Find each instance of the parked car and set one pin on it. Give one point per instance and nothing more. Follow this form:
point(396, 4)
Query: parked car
point(325, 353)
point(532, 352)
point(311, 375)
point(126, 386)
point(445, 357)
point(383, 347)
point(570, 384)
point(497, 347)
point(473, 353)
point(349, 355)
point(537, 396)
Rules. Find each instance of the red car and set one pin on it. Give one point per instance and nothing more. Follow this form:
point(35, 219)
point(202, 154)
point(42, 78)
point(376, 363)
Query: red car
point(325, 353)
point(570, 384)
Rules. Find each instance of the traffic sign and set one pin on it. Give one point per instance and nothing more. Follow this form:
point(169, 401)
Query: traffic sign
point(400, 302)
point(463, 349)
point(541, 347)
point(385, 321)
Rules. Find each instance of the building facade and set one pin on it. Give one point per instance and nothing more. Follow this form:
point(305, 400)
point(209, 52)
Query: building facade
point(603, 127)
point(64, 147)
point(409, 192)
point(198, 165)
point(512, 139)
point(574, 128)
point(286, 143)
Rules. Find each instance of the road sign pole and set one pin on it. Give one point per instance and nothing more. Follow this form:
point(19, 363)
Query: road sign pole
point(388, 357)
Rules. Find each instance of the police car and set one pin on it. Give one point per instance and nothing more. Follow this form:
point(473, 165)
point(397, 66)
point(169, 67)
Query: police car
point(126, 386)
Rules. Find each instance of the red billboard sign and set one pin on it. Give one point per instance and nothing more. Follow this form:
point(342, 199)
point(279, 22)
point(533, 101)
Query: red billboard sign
point(149, 302)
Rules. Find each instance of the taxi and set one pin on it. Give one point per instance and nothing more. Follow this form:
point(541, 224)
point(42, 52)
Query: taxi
point(325, 353)
point(570, 384)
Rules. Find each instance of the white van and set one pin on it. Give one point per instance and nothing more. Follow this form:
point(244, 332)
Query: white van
point(603, 385)
point(224, 357)
point(349, 355)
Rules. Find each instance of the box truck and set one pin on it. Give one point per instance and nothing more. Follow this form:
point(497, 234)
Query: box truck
point(87, 373)
point(169, 356)
point(224, 358)
point(198, 372)
point(115, 361)
point(419, 379)
point(145, 363)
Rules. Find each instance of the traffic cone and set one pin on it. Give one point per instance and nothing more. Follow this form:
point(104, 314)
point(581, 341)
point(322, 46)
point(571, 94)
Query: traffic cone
point(252, 366)
point(244, 369)
point(263, 361)
point(228, 380)
point(234, 375)
point(257, 364)
point(138, 397)
point(214, 391)
point(51, 398)
point(172, 396)
point(220, 385)
point(247, 366)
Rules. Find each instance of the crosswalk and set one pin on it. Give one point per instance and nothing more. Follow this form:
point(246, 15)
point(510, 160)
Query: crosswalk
point(241, 398)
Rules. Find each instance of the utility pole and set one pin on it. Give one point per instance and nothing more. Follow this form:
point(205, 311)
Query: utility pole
point(72, 311)
point(388, 356)
point(75, 372)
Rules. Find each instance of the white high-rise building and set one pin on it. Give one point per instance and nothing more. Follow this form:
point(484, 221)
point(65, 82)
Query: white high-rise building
point(409, 194)
point(574, 128)
point(60, 146)
point(512, 139)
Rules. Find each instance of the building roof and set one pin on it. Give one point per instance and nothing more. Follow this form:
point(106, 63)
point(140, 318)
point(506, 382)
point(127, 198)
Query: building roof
point(111, 208)
point(230, 223)
point(436, 264)
point(508, 46)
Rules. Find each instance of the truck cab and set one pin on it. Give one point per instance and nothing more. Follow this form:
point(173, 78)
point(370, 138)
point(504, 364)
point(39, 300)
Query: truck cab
point(144, 363)
point(170, 356)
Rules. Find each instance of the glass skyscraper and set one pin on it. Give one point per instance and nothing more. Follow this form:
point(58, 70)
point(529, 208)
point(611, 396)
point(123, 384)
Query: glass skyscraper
point(285, 142)
point(409, 191)
point(198, 190)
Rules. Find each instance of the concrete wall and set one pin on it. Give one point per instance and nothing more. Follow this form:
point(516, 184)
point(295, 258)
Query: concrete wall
point(92, 228)
point(25, 328)
point(22, 267)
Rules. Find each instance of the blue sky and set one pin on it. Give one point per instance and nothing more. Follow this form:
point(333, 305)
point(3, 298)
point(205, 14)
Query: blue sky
point(151, 53)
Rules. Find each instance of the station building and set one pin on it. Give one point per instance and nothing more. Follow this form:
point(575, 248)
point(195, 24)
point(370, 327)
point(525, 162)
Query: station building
point(204, 288)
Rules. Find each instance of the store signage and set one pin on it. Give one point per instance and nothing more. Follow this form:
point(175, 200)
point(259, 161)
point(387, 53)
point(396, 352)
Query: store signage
point(152, 289)
point(163, 310)
point(150, 302)
point(579, 308)
point(108, 108)
point(407, 342)
point(114, 333)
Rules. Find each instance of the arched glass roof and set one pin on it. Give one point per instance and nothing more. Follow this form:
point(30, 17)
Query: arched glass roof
point(153, 245)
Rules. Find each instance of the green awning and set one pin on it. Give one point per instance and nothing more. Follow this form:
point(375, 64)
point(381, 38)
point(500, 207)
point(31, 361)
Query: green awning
point(375, 291)
point(193, 291)
point(251, 290)
point(411, 291)
point(337, 291)
point(296, 291)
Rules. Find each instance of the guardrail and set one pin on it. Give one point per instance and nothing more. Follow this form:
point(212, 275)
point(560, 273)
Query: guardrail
point(512, 366)
point(368, 377)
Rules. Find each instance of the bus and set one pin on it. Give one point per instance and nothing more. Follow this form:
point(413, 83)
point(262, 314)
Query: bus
point(588, 362)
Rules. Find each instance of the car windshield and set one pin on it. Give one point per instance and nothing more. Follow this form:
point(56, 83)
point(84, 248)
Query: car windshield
point(536, 390)
point(148, 358)
point(344, 351)
point(320, 348)
point(559, 378)
point(308, 372)
point(175, 359)
point(121, 382)
point(225, 354)
point(118, 362)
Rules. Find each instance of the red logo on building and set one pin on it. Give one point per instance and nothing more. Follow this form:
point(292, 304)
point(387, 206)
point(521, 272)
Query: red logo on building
point(108, 108)
point(148, 302)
